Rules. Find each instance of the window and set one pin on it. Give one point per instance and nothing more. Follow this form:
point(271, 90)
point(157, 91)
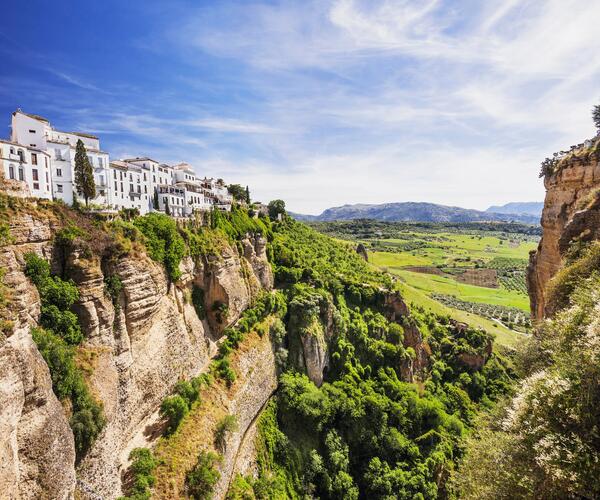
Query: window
point(116, 188)
point(33, 158)
point(58, 154)
point(21, 174)
point(36, 185)
point(115, 175)
point(59, 188)
point(145, 189)
point(32, 145)
point(59, 172)
point(144, 176)
point(34, 174)
point(154, 178)
point(21, 155)
point(100, 162)
point(139, 190)
point(11, 172)
point(91, 160)
point(31, 131)
point(46, 161)
point(47, 180)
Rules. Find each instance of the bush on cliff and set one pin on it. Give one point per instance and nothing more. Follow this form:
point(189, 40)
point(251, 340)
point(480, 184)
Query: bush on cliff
point(201, 480)
point(163, 241)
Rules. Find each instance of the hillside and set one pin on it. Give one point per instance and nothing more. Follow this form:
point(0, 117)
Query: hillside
point(411, 211)
point(518, 208)
point(141, 357)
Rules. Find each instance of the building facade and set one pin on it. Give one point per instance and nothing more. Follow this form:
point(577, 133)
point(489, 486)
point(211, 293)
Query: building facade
point(42, 159)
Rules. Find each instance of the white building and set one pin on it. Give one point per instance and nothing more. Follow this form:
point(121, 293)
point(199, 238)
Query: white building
point(28, 166)
point(43, 159)
point(195, 198)
point(36, 132)
point(172, 197)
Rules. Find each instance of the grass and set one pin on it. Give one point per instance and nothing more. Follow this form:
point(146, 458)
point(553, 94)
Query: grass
point(504, 336)
point(430, 283)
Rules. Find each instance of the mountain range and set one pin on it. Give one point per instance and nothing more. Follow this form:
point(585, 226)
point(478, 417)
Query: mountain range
point(519, 208)
point(427, 212)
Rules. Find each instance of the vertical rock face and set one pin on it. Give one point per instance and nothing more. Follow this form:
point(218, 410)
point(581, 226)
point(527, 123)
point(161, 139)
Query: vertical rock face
point(37, 450)
point(137, 349)
point(568, 191)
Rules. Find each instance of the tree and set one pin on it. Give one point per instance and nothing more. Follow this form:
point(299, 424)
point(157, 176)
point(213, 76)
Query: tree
point(596, 116)
point(237, 191)
point(201, 480)
point(84, 174)
point(155, 204)
point(167, 210)
point(247, 195)
point(276, 208)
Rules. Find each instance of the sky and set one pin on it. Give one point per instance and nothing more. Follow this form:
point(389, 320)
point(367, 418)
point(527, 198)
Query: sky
point(318, 102)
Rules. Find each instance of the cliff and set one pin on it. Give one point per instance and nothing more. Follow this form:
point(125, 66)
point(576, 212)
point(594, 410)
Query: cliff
point(569, 213)
point(136, 347)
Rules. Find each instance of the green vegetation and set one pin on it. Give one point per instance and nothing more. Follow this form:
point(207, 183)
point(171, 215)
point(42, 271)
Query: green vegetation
point(84, 174)
point(276, 209)
point(470, 271)
point(163, 241)
point(198, 301)
point(225, 426)
point(174, 408)
point(201, 480)
point(56, 341)
point(366, 432)
point(545, 443)
point(142, 467)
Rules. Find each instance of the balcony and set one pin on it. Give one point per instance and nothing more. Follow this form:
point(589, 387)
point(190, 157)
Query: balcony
point(135, 194)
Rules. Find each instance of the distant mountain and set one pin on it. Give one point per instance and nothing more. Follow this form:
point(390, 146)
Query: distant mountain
point(417, 212)
point(519, 208)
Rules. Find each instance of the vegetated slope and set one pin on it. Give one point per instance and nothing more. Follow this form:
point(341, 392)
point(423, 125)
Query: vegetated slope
point(374, 401)
point(121, 312)
point(544, 443)
point(414, 211)
point(477, 268)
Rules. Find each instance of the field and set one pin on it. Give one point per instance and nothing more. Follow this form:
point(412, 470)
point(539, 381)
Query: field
point(474, 273)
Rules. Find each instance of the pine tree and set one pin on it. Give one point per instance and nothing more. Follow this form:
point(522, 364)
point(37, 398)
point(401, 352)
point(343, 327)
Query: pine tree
point(596, 116)
point(84, 174)
point(155, 204)
point(247, 195)
point(167, 209)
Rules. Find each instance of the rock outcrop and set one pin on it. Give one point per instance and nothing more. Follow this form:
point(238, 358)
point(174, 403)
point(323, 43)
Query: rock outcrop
point(568, 213)
point(37, 450)
point(137, 347)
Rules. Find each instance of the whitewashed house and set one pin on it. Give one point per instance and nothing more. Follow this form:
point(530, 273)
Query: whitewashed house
point(28, 167)
point(36, 132)
point(194, 193)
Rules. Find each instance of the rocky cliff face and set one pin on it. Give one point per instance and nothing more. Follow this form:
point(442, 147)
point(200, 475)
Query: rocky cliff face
point(37, 450)
point(137, 348)
point(569, 213)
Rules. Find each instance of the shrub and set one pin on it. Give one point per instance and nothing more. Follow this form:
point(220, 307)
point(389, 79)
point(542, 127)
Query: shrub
point(67, 382)
point(163, 241)
point(63, 323)
point(142, 467)
point(174, 408)
point(201, 480)
point(113, 286)
point(198, 301)
point(36, 269)
point(225, 426)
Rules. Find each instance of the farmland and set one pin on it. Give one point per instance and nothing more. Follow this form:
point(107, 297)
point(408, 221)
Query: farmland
point(473, 272)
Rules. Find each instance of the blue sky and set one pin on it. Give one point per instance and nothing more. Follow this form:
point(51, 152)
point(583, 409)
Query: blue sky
point(318, 102)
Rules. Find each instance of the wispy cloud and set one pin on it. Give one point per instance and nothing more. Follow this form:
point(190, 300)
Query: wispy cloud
point(337, 101)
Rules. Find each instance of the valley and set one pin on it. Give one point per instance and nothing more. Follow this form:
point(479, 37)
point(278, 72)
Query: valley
point(473, 272)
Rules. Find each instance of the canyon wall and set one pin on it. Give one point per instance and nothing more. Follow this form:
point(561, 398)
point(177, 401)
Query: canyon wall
point(570, 199)
point(135, 351)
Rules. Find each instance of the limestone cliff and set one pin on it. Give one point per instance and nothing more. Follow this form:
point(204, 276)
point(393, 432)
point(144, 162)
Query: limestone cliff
point(136, 348)
point(569, 213)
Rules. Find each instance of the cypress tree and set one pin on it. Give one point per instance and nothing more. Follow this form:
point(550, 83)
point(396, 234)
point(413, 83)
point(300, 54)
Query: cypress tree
point(247, 195)
point(167, 210)
point(84, 174)
point(596, 116)
point(155, 204)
